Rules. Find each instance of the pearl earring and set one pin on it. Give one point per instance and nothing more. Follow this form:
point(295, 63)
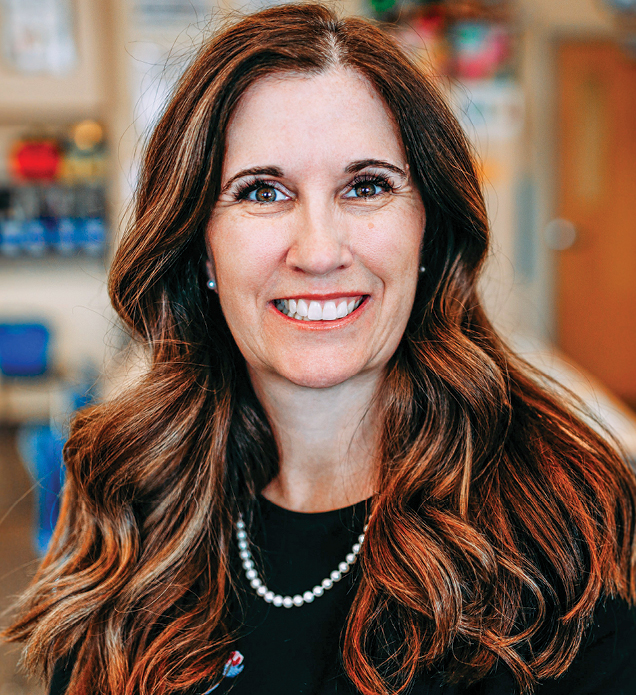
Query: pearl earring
point(422, 269)
point(211, 285)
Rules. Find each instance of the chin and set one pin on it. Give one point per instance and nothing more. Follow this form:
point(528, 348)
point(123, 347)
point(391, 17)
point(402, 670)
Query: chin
point(318, 381)
point(317, 378)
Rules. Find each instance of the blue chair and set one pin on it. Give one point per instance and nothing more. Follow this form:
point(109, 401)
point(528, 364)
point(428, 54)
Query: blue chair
point(40, 447)
point(24, 349)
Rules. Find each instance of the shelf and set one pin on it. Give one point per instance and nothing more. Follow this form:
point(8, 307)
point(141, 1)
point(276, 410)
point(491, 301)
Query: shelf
point(28, 399)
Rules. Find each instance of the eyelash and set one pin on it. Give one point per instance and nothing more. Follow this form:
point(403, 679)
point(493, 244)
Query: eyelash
point(244, 189)
point(379, 180)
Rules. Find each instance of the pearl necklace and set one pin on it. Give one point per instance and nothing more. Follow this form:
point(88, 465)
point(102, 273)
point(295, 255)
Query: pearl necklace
point(279, 600)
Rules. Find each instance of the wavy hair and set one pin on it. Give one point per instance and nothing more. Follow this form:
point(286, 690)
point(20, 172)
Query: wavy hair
point(502, 519)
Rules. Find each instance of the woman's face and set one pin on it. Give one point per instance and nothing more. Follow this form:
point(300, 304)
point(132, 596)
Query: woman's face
point(318, 216)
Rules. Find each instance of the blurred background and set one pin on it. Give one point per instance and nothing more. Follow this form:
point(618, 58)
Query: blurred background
point(545, 90)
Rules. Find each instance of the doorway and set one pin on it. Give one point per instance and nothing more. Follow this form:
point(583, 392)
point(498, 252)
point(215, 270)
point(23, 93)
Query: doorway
point(596, 266)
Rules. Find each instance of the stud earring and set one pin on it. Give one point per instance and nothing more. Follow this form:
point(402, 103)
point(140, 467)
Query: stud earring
point(422, 269)
point(211, 284)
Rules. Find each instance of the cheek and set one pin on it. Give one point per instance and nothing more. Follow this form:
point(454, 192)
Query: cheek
point(390, 245)
point(245, 254)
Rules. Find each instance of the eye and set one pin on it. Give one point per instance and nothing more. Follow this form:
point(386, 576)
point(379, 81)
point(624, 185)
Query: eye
point(264, 193)
point(368, 187)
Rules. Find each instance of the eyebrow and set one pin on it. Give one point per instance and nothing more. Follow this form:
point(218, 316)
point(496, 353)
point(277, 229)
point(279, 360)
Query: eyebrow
point(351, 169)
point(254, 171)
point(377, 163)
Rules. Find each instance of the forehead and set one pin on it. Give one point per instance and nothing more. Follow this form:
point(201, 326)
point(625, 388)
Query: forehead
point(331, 118)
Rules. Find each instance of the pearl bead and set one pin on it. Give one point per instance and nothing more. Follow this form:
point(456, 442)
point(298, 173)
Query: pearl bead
point(298, 599)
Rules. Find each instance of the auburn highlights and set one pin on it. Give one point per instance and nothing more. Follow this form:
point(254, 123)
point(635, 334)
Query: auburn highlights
point(502, 518)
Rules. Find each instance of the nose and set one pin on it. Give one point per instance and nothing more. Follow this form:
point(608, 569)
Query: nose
point(320, 241)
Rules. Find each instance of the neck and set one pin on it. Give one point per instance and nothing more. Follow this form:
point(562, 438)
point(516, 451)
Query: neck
point(327, 441)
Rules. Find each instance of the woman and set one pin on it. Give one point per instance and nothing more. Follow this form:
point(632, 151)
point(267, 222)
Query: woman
point(334, 477)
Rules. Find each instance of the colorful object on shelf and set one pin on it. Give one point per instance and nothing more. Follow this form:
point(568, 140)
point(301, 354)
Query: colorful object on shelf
point(11, 237)
point(91, 236)
point(87, 135)
point(85, 154)
point(24, 349)
point(482, 50)
point(468, 40)
point(76, 156)
point(382, 7)
point(57, 201)
point(40, 219)
point(425, 37)
point(34, 237)
point(67, 236)
point(36, 160)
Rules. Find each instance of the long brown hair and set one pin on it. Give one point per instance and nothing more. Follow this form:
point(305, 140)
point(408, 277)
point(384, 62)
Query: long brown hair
point(502, 518)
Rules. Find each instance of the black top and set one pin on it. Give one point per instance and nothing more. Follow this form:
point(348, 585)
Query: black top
point(296, 651)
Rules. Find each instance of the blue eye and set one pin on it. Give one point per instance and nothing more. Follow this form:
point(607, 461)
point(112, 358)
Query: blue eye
point(368, 188)
point(264, 193)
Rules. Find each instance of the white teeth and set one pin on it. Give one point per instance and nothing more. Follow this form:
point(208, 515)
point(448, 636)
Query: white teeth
point(329, 311)
point(315, 311)
point(301, 308)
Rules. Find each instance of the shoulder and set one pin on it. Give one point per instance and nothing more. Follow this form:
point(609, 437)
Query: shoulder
point(604, 665)
point(606, 662)
point(613, 617)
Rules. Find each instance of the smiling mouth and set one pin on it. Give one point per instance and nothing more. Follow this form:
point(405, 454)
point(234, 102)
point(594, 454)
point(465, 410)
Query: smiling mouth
point(314, 310)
